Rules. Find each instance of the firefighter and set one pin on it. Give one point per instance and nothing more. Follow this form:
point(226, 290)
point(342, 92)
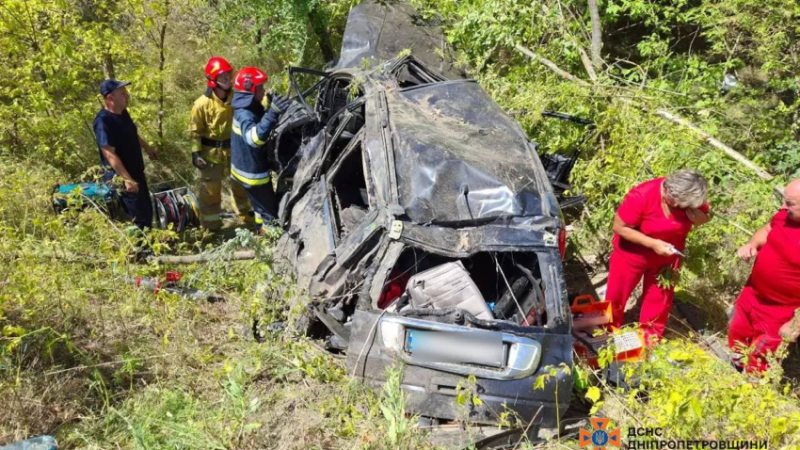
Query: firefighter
point(767, 311)
point(210, 128)
point(252, 124)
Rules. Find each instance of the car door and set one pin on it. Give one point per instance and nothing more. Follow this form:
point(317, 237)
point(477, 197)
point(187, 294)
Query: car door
point(353, 224)
point(316, 155)
point(327, 129)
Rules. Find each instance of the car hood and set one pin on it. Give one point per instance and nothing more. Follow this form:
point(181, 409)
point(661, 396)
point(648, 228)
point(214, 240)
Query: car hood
point(459, 158)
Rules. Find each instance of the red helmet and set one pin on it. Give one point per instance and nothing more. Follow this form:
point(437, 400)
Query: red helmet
point(248, 78)
point(215, 67)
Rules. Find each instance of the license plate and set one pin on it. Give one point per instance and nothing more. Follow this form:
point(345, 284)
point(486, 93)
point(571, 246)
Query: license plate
point(486, 349)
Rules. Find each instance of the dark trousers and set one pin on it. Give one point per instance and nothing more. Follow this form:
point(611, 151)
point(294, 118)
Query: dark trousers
point(262, 198)
point(137, 206)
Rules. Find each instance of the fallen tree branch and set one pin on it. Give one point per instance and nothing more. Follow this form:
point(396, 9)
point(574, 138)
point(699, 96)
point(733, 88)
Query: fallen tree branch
point(664, 114)
point(587, 63)
point(203, 257)
point(712, 141)
point(64, 257)
point(551, 65)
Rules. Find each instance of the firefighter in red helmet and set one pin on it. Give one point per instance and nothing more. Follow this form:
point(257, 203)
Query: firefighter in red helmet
point(210, 128)
point(252, 124)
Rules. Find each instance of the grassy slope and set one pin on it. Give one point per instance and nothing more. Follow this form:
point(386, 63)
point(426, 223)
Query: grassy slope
point(100, 364)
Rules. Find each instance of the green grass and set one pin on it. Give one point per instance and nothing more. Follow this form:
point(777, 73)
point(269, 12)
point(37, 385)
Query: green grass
point(99, 364)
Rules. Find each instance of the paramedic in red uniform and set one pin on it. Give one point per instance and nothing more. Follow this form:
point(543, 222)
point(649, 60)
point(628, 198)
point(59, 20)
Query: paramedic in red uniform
point(766, 312)
point(650, 229)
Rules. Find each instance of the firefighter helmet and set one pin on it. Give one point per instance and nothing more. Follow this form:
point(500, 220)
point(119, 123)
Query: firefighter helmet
point(248, 78)
point(215, 67)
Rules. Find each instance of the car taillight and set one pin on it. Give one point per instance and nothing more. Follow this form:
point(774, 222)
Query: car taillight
point(562, 242)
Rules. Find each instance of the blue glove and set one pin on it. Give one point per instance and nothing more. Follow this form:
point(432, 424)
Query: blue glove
point(279, 104)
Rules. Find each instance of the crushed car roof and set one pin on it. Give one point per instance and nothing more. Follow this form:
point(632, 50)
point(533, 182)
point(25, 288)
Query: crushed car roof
point(459, 158)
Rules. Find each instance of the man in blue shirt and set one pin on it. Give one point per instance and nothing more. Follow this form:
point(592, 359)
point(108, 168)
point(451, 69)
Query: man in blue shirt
point(120, 148)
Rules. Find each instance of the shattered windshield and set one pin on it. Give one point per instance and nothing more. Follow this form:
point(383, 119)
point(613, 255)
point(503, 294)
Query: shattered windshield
point(460, 158)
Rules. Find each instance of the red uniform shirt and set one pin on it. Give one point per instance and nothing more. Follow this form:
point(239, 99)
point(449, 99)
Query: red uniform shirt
point(776, 272)
point(642, 210)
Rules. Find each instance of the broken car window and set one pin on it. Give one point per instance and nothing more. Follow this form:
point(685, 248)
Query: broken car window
point(303, 82)
point(409, 72)
point(341, 130)
point(348, 191)
point(339, 93)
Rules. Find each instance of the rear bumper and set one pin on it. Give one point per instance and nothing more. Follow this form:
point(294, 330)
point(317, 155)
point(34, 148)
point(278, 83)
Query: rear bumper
point(431, 391)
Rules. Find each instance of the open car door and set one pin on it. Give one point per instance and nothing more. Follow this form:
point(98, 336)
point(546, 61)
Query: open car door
point(334, 121)
point(296, 126)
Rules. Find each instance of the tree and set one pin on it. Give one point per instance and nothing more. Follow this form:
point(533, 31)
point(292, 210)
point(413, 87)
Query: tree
point(597, 36)
point(53, 54)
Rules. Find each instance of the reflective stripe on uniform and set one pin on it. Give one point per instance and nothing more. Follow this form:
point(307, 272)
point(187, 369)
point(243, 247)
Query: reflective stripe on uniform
point(254, 137)
point(206, 154)
point(196, 145)
point(252, 179)
point(235, 128)
point(210, 218)
point(259, 220)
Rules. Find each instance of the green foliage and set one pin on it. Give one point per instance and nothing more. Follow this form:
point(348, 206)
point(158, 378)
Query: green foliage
point(467, 393)
point(543, 382)
point(56, 52)
point(785, 158)
point(393, 406)
point(172, 418)
point(690, 394)
point(122, 367)
point(652, 60)
point(288, 32)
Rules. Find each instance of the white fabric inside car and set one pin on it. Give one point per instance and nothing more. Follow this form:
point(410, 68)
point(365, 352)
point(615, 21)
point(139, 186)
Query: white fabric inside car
point(447, 286)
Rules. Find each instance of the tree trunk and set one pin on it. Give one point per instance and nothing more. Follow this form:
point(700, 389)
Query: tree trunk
point(108, 66)
point(319, 25)
point(597, 35)
point(161, 66)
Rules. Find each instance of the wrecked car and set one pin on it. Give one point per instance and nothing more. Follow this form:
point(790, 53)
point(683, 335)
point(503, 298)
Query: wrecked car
point(421, 220)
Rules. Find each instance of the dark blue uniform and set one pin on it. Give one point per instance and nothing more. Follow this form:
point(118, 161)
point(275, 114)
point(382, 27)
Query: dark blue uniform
point(249, 163)
point(119, 131)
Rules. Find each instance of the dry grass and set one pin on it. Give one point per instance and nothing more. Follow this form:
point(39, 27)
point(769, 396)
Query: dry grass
point(100, 364)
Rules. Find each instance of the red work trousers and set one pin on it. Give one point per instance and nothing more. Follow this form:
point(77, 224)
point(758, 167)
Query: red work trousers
point(754, 329)
point(623, 277)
